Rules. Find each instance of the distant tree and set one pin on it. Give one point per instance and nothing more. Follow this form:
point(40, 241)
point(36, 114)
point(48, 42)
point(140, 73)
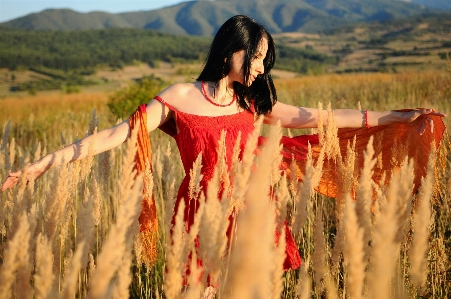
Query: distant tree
point(125, 101)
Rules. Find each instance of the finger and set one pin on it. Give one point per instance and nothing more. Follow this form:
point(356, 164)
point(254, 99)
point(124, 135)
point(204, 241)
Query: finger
point(438, 114)
point(421, 128)
point(15, 174)
point(426, 111)
point(430, 112)
point(9, 183)
point(6, 187)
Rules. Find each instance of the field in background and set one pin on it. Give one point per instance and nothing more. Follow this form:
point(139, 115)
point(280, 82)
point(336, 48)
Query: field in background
point(395, 46)
point(76, 240)
point(414, 44)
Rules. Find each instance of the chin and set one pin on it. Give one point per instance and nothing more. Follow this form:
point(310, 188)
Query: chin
point(248, 83)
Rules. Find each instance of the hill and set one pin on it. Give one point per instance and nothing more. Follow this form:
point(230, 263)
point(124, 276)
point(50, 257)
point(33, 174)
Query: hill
point(203, 17)
point(420, 43)
point(440, 4)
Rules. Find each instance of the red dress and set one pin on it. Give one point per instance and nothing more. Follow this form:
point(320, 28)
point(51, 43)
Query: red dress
point(196, 134)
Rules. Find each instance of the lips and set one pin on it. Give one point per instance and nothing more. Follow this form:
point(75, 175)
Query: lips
point(251, 79)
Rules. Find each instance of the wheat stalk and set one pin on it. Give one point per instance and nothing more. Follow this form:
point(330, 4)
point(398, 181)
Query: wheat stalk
point(386, 244)
point(174, 259)
point(70, 282)
point(421, 224)
point(43, 276)
point(365, 195)
point(249, 271)
point(117, 244)
point(16, 256)
point(354, 254)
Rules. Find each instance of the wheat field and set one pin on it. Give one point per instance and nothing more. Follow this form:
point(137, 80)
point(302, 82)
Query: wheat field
point(74, 232)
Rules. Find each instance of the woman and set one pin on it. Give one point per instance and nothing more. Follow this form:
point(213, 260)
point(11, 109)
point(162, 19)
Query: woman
point(233, 88)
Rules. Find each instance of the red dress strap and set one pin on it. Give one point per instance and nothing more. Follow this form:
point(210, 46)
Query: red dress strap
point(159, 99)
point(169, 127)
point(142, 108)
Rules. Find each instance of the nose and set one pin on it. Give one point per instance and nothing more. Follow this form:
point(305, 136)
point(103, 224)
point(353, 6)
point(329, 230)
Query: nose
point(260, 68)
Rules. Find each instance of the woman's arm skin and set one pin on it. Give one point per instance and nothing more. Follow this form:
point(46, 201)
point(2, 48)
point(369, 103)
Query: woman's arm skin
point(105, 140)
point(300, 117)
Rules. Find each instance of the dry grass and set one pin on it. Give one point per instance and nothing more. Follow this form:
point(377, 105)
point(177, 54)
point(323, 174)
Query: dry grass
point(72, 233)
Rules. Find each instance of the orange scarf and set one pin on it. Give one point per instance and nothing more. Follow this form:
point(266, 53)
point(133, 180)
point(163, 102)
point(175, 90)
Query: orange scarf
point(148, 220)
point(397, 141)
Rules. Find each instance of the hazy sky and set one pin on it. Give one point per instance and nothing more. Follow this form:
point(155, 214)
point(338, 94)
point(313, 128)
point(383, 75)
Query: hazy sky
point(11, 9)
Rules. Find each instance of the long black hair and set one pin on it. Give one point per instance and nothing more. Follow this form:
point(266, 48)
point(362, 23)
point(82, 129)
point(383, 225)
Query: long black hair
point(243, 33)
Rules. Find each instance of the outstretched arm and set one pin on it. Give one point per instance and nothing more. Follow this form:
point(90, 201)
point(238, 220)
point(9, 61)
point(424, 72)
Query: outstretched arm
point(104, 140)
point(300, 117)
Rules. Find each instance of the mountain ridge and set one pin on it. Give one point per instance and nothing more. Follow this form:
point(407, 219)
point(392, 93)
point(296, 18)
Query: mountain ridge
point(204, 17)
point(440, 4)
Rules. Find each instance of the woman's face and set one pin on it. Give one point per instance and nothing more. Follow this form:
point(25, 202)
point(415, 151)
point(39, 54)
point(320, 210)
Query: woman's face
point(236, 71)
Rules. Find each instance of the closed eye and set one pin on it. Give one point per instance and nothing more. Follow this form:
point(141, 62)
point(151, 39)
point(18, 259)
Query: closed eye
point(258, 55)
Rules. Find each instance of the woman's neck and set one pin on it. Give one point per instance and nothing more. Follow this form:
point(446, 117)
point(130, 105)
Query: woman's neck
point(222, 91)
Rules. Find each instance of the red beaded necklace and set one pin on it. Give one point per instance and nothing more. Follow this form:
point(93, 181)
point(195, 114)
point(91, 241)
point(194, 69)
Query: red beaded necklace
point(204, 92)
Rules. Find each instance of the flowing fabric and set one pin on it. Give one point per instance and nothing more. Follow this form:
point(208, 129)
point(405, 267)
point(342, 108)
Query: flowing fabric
point(148, 220)
point(202, 133)
point(392, 143)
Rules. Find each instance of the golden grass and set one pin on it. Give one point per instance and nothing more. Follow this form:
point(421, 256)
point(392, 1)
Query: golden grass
point(43, 106)
point(73, 233)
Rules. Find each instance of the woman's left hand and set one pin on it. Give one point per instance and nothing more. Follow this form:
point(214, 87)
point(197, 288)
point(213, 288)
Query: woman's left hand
point(425, 113)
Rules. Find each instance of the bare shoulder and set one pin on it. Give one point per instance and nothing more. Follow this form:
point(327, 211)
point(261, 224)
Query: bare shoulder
point(177, 93)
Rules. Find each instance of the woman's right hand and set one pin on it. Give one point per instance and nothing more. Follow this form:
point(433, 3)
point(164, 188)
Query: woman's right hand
point(11, 180)
point(33, 173)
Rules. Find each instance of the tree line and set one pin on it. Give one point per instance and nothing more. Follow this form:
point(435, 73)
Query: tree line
point(82, 51)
